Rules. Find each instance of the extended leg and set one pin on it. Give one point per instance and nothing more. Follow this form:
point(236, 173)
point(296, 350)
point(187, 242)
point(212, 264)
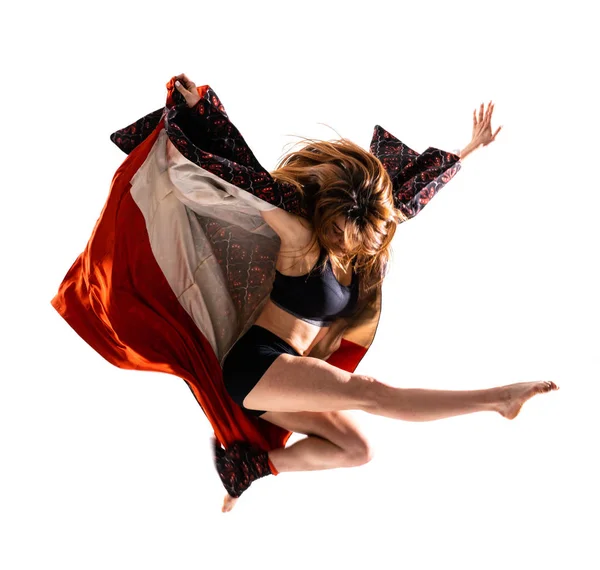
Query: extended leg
point(294, 384)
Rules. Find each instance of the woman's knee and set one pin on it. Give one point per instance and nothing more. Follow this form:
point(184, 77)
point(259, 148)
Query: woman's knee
point(344, 432)
point(338, 427)
point(359, 451)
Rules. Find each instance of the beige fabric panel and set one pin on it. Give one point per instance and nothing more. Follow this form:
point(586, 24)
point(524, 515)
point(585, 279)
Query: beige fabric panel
point(202, 232)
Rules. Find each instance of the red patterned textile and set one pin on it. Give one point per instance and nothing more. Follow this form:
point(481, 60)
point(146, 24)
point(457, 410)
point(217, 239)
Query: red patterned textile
point(116, 295)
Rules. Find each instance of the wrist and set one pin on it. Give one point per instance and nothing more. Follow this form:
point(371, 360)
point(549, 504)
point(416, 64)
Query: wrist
point(468, 149)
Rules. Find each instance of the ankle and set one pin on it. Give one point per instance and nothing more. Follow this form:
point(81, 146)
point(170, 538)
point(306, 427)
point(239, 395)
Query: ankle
point(497, 399)
point(240, 465)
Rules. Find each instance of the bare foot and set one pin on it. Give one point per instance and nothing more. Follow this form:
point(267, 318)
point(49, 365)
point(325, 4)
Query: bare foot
point(513, 396)
point(228, 503)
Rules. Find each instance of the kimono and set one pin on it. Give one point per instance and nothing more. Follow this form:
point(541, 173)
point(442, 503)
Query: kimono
point(180, 262)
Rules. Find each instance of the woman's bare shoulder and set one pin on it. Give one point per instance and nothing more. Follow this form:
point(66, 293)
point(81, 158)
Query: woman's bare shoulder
point(291, 229)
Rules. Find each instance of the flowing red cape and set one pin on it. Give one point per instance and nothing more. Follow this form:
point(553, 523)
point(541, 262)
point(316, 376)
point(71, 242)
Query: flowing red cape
point(116, 297)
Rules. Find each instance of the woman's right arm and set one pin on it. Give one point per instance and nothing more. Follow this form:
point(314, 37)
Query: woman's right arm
point(187, 88)
point(293, 230)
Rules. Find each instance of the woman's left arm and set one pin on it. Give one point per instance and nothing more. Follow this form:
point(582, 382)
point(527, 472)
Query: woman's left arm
point(417, 178)
point(482, 130)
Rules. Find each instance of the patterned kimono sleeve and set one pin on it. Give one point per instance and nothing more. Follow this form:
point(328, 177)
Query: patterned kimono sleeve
point(416, 178)
point(132, 135)
point(208, 127)
point(205, 136)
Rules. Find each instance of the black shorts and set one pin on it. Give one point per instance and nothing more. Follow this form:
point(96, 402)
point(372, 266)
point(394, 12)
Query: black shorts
point(249, 359)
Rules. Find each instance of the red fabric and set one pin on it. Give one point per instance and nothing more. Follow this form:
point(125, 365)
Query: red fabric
point(347, 356)
point(117, 299)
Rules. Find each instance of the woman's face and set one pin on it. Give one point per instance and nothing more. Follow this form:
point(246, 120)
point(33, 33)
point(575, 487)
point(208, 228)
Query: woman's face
point(336, 235)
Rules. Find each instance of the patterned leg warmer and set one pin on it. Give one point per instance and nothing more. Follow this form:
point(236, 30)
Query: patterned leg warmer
point(239, 465)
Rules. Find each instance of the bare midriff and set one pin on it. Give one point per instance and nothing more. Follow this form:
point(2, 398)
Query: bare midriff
point(299, 334)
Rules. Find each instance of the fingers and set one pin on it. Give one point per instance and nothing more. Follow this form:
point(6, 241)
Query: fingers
point(186, 81)
point(493, 137)
point(483, 117)
point(488, 113)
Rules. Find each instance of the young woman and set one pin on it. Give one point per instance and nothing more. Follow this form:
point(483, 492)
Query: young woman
point(329, 263)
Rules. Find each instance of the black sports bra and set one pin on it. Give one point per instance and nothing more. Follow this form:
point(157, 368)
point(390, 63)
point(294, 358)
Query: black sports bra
point(316, 297)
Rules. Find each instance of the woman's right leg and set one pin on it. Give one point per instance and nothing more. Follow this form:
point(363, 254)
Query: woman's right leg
point(293, 384)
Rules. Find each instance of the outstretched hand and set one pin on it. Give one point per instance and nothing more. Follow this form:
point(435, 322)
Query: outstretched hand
point(187, 88)
point(482, 128)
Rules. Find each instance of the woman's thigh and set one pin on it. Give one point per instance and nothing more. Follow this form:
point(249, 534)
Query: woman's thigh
point(339, 428)
point(305, 384)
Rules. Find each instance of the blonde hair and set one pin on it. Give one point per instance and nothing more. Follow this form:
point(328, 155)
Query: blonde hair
point(339, 178)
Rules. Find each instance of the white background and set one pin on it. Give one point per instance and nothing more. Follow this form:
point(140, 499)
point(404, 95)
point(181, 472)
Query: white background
point(494, 282)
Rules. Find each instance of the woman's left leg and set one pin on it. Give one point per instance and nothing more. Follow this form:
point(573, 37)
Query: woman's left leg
point(334, 440)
